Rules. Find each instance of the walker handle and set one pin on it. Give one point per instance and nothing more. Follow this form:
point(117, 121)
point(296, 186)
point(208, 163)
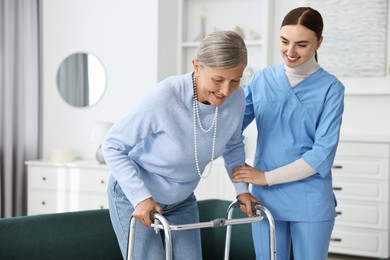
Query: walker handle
point(254, 210)
point(151, 215)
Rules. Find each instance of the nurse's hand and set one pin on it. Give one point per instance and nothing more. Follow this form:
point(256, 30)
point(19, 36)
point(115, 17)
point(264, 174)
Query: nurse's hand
point(246, 203)
point(143, 209)
point(249, 174)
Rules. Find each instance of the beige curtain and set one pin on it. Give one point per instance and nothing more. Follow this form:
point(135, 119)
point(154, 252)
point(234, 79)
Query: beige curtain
point(19, 100)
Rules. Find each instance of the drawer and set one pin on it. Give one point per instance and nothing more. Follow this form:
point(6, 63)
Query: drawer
point(47, 180)
point(44, 202)
point(362, 214)
point(349, 167)
point(88, 180)
point(368, 243)
point(89, 201)
point(68, 179)
point(363, 190)
point(362, 149)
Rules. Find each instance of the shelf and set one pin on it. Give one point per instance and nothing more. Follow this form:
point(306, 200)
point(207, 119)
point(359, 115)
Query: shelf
point(196, 44)
point(197, 18)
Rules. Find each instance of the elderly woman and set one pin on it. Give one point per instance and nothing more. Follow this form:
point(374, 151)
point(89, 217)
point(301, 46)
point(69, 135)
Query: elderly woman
point(158, 152)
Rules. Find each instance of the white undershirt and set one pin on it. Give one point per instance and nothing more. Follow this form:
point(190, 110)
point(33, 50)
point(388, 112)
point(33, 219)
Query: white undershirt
point(296, 75)
point(298, 169)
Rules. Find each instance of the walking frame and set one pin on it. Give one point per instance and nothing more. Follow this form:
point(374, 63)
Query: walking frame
point(161, 223)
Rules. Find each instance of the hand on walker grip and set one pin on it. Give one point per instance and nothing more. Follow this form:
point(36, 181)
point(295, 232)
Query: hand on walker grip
point(143, 211)
point(247, 204)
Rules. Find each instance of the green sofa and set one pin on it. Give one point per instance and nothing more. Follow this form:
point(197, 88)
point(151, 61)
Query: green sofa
point(89, 235)
point(67, 236)
point(213, 239)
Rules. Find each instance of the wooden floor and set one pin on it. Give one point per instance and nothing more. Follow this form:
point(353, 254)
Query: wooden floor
point(347, 257)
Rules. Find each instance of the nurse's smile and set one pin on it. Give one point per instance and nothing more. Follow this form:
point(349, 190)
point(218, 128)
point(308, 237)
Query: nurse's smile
point(292, 59)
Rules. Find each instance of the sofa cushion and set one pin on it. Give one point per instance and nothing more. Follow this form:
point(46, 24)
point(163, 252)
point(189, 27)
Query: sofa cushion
point(213, 239)
point(73, 235)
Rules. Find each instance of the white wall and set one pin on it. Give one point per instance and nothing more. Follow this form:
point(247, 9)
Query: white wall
point(136, 42)
point(367, 101)
point(124, 36)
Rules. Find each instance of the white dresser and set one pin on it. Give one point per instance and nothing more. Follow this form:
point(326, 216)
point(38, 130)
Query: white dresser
point(361, 186)
point(61, 187)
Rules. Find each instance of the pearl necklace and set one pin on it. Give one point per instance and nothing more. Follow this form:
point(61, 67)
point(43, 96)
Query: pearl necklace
point(195, 110)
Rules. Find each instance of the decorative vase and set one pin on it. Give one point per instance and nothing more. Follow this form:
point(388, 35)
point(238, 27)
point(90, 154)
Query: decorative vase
point(99, 155)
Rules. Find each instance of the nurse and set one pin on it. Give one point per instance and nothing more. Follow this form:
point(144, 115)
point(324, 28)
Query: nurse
point(298, 109)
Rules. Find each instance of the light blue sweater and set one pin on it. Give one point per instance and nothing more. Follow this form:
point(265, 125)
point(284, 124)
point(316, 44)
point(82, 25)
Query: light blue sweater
point(150, 152)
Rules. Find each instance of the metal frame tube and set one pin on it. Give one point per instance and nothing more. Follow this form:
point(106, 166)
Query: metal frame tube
point(161, 223)
point(226, 222)
point(229, 230)
point(167, 234)
point(130, 245)
point(272, 238)
point(259, 209)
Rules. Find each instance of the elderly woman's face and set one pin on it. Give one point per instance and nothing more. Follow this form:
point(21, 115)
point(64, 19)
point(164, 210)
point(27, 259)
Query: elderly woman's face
point(214, 85)
point(297, 44)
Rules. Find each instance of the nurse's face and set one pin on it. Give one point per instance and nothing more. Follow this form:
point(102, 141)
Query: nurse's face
point(297, 44)
point(215, 85)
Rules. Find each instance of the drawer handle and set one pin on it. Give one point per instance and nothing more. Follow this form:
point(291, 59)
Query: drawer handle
point(338, 213)
point(335, 239)
point(337, 188)
point(43, 203)
point(337, 167)
point(44, 178)
point(102, 181)
point(101, 207)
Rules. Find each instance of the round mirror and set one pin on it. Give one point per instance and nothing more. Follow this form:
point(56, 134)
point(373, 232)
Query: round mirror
point(81, 79)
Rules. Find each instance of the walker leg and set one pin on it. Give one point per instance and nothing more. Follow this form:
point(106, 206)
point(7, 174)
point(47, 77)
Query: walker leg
point(130, 245)
point(167, 234)
point(272, 238)
point(259, 209)
point(229, 230)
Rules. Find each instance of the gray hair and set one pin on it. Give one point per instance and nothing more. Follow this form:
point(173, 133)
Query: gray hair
point(222, 49)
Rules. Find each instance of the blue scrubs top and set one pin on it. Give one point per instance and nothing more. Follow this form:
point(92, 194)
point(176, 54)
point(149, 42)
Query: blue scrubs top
point(293, 123)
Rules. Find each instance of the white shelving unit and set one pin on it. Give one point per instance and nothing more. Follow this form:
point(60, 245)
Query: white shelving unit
point(361, 185)
point(197, 18)
point(62, 187)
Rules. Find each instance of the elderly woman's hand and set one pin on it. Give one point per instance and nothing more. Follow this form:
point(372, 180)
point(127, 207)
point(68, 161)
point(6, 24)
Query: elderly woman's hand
point(247, 200)
point(143, 209)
